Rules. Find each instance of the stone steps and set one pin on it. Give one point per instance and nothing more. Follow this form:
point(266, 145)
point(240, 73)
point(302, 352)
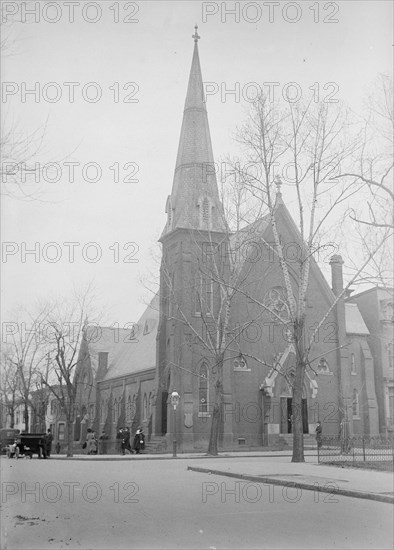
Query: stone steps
point(156, 445)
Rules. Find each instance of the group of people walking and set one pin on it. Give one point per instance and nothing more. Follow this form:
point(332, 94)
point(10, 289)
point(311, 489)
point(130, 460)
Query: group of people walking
point(123, 437)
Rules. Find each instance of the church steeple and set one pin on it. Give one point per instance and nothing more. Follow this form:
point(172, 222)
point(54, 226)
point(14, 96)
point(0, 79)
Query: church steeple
point(194, 202)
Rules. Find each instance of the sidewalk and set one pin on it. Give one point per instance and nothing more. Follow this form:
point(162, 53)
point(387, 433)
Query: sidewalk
point(356, 483)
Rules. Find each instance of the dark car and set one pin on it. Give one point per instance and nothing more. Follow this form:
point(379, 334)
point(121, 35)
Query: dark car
point(30, 444)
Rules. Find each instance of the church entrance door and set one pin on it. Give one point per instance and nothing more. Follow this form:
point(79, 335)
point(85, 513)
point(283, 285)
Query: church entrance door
point(164, 399)
point(287, 414)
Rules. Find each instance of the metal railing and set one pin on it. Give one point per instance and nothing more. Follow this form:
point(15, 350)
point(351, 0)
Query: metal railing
point(357, 451)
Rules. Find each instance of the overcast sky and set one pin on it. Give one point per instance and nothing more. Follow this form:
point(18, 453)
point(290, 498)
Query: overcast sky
point(154, 53)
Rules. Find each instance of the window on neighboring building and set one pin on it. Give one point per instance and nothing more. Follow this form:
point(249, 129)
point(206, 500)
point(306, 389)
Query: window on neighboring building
point(353, 364)
point(53, 407)
point(103, 360)
point(203, 388)
point(102, 411)
point(390, 355)
point(61, 431)
point(391, 405)
point(355, 404)
point(91, 411)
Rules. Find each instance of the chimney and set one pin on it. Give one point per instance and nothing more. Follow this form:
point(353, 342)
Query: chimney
point(336, 263)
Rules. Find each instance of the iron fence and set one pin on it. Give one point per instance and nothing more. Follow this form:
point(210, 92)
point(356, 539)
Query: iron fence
point(357, 451)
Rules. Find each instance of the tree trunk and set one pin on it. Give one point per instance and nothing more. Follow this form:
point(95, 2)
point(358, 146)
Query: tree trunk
point(26, 417)
point(70, 438)
point(217, 410)
point(298, 431)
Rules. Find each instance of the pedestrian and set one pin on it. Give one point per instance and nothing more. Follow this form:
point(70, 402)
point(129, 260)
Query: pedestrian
point(57, 448)
point(139, 440)
point(91, 446)
point(318, 431)
point(103, 443)
point(42, 446)
point(119, 437)
point(49, 440)
point(126, 441)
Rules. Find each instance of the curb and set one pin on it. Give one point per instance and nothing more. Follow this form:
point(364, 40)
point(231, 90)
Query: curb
point(299, 485)
point(101, 458)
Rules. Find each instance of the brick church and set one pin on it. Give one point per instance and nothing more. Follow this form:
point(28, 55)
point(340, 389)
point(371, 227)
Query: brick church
point(127, 376)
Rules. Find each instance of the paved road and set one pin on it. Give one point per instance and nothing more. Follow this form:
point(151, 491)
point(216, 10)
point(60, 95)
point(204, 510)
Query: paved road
point(159, 504)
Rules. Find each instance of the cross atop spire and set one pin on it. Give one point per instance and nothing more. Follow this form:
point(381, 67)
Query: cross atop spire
point(196, 36)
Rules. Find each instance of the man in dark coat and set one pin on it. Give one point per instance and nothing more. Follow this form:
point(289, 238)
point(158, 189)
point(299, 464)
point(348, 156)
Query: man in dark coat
point(103, 443)
point(126, 441)
point(319, 435)
point(42, 446)
point(49, 440)
point(119, 437)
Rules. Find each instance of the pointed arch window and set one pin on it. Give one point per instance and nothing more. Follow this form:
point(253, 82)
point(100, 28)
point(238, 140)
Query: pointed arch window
point(353, 364)
point(205, 211)
point(170, 213)
point(356, 404)
point(128, 409)
point(145, 408)
point(203, 294)
point(203, 389)
point(390, 355)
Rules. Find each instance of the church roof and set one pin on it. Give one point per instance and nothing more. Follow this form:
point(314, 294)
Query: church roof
point(129, 350)
point(354, 321)
point(194, 202)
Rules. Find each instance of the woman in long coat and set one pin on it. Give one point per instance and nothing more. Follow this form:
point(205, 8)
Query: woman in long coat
point(139, 440)
point(91, 442)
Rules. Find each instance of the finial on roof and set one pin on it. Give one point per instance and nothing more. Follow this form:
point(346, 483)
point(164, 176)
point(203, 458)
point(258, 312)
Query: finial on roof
point(278, 183)
point(196, 36)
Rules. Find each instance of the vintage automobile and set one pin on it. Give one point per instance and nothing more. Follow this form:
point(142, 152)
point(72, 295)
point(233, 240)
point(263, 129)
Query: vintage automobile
point(7, 437)
point(30, 444)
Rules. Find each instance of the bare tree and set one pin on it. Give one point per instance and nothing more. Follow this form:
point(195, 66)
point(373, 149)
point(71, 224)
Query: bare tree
point(314, 139)
point(371, 172)
point(66, 322)
point(9, 386)
point(25, 352)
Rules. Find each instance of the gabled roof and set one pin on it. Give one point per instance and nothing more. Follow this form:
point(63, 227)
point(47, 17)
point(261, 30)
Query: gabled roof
point(354, 321)
point(129, 350)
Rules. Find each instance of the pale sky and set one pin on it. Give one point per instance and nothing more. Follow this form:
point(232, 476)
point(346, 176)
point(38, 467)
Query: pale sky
point(155, 54)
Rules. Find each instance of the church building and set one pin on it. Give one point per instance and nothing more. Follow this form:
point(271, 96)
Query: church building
point(127, 376)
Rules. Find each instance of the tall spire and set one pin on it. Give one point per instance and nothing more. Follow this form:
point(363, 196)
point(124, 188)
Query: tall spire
point(194, 202)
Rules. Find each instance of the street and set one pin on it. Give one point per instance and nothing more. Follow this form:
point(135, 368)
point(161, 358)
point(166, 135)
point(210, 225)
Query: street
point(159, 504)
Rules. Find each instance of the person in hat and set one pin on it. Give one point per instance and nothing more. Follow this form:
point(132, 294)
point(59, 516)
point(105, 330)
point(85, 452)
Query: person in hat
point(49, 440)
point(103, 443)
point(139, 440)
